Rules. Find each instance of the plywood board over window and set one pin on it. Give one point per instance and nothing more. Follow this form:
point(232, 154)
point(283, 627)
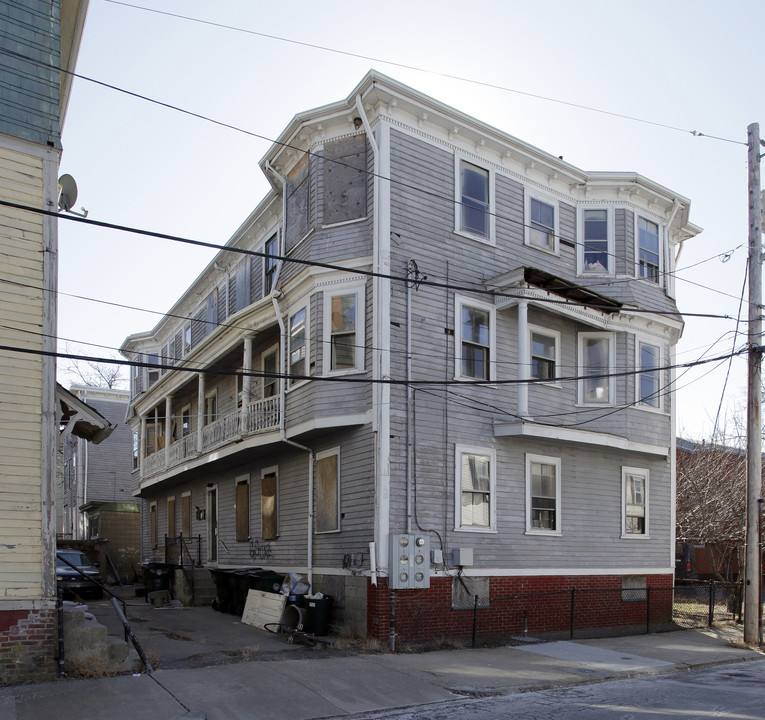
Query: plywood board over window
point(268, 506)
point(345, 180)
point(242, 509)
point(328, 491)
point(171, 516)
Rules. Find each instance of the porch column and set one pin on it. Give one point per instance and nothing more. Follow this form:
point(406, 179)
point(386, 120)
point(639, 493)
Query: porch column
point(142, 445)
point(247, 380)
point(524, 357)
point(201, 416)
point(168, 428)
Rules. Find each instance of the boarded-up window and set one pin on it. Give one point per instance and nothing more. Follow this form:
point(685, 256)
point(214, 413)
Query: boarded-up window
point(153, 525)
point(298, 207)
point(186, 515)
point(327, 492)
point(242, 285)
point(242, 510)
point(171, 517)
point(345, 180)
point(268, 506)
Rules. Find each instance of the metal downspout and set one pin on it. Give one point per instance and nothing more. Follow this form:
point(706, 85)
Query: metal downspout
point(283, 383)
point(285, 439)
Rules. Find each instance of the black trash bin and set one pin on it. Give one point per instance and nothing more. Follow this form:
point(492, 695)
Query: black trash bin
point(225, 582)
point(156, 576)
point(319, 614)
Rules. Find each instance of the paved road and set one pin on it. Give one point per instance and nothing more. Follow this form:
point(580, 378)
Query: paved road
point(735, 691)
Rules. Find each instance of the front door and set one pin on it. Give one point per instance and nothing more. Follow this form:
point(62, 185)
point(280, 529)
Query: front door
point(212, 524)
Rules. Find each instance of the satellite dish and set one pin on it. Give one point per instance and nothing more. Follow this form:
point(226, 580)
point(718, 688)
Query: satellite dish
point(67, 196)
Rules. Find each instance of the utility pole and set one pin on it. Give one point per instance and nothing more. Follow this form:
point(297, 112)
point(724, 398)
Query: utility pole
point(753, 438)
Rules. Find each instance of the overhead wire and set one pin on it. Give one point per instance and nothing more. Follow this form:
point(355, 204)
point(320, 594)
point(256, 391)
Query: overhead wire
point(449, 76)
point(368, 172)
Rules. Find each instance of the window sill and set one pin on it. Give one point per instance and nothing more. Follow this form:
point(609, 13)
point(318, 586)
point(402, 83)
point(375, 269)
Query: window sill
point(482, 530)
point(341, 373)
point(635, 537)
point(345, 222)
point(550, 251)
point(296, 386)
point(478, 238)
point(651, 409)
point(328, 532)
point(544, 533)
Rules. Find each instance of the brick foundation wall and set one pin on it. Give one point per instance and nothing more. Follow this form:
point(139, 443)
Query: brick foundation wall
point(537, 605)
point(28, 646)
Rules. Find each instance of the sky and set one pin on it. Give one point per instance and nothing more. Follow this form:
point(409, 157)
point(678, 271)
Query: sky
point(667, 68)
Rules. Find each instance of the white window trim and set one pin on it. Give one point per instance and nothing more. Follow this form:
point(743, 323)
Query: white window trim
point(582, 336)
point(167, 513)
point(459, 451)
point(274, 349)
point(208, 522)
point(641, 472)
point(660, 230)
point(187, 494)
point(555, 335)
point(154, 541)
point(186, 345)
point(239, 480)
point(292, 312)
point(611, 224)
point(265, 261)
point(558, 516)
point(459, 302)
point(320, 456)
point(273, 470)
point(547, 200)
point(659, 361)
point(204, 413)
point(187, 406)
point(458, 160)
point(359, 290)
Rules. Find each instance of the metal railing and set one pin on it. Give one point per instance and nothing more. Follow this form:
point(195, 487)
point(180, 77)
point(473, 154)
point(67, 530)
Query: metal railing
point(574, 613)
point(260, 416)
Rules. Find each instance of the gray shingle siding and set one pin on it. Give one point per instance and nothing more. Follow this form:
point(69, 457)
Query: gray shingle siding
point(29, 76)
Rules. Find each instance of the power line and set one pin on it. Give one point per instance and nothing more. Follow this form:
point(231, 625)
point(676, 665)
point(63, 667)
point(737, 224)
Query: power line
point(213, 370)
point(404, 66)
point(356, 271)
point(429, 193)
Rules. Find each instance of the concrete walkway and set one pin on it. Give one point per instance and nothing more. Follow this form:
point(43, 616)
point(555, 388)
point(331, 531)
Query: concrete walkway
point(324, 682)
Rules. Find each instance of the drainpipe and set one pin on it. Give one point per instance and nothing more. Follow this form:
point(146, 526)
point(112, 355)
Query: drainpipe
point(285, 439)
point(283, 384)
point(381, 302)
point(524, 371)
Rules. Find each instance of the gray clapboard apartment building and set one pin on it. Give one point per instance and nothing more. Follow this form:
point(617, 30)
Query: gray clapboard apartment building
point(421, 366)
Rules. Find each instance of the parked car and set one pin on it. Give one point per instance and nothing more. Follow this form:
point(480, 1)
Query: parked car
point(72, 582)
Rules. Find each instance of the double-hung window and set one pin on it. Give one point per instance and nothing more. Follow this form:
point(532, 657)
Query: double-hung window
point(474, 200)
point(596, 251)
point(634, 502)
point(541, 230)
point(596, 359)
point(475, 491)
point(475, 332)
point(648, 250)
point(543, 489)
point(211, 407)
point(271, 249)
point(270, 372)
point(649, 390)
point(344, 331)
point(544, 347)
point(298, 345)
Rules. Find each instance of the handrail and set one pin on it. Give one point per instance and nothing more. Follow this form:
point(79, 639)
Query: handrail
point(95, 582)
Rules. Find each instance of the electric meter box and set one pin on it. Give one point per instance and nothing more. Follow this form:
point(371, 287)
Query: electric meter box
point(409, 560)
